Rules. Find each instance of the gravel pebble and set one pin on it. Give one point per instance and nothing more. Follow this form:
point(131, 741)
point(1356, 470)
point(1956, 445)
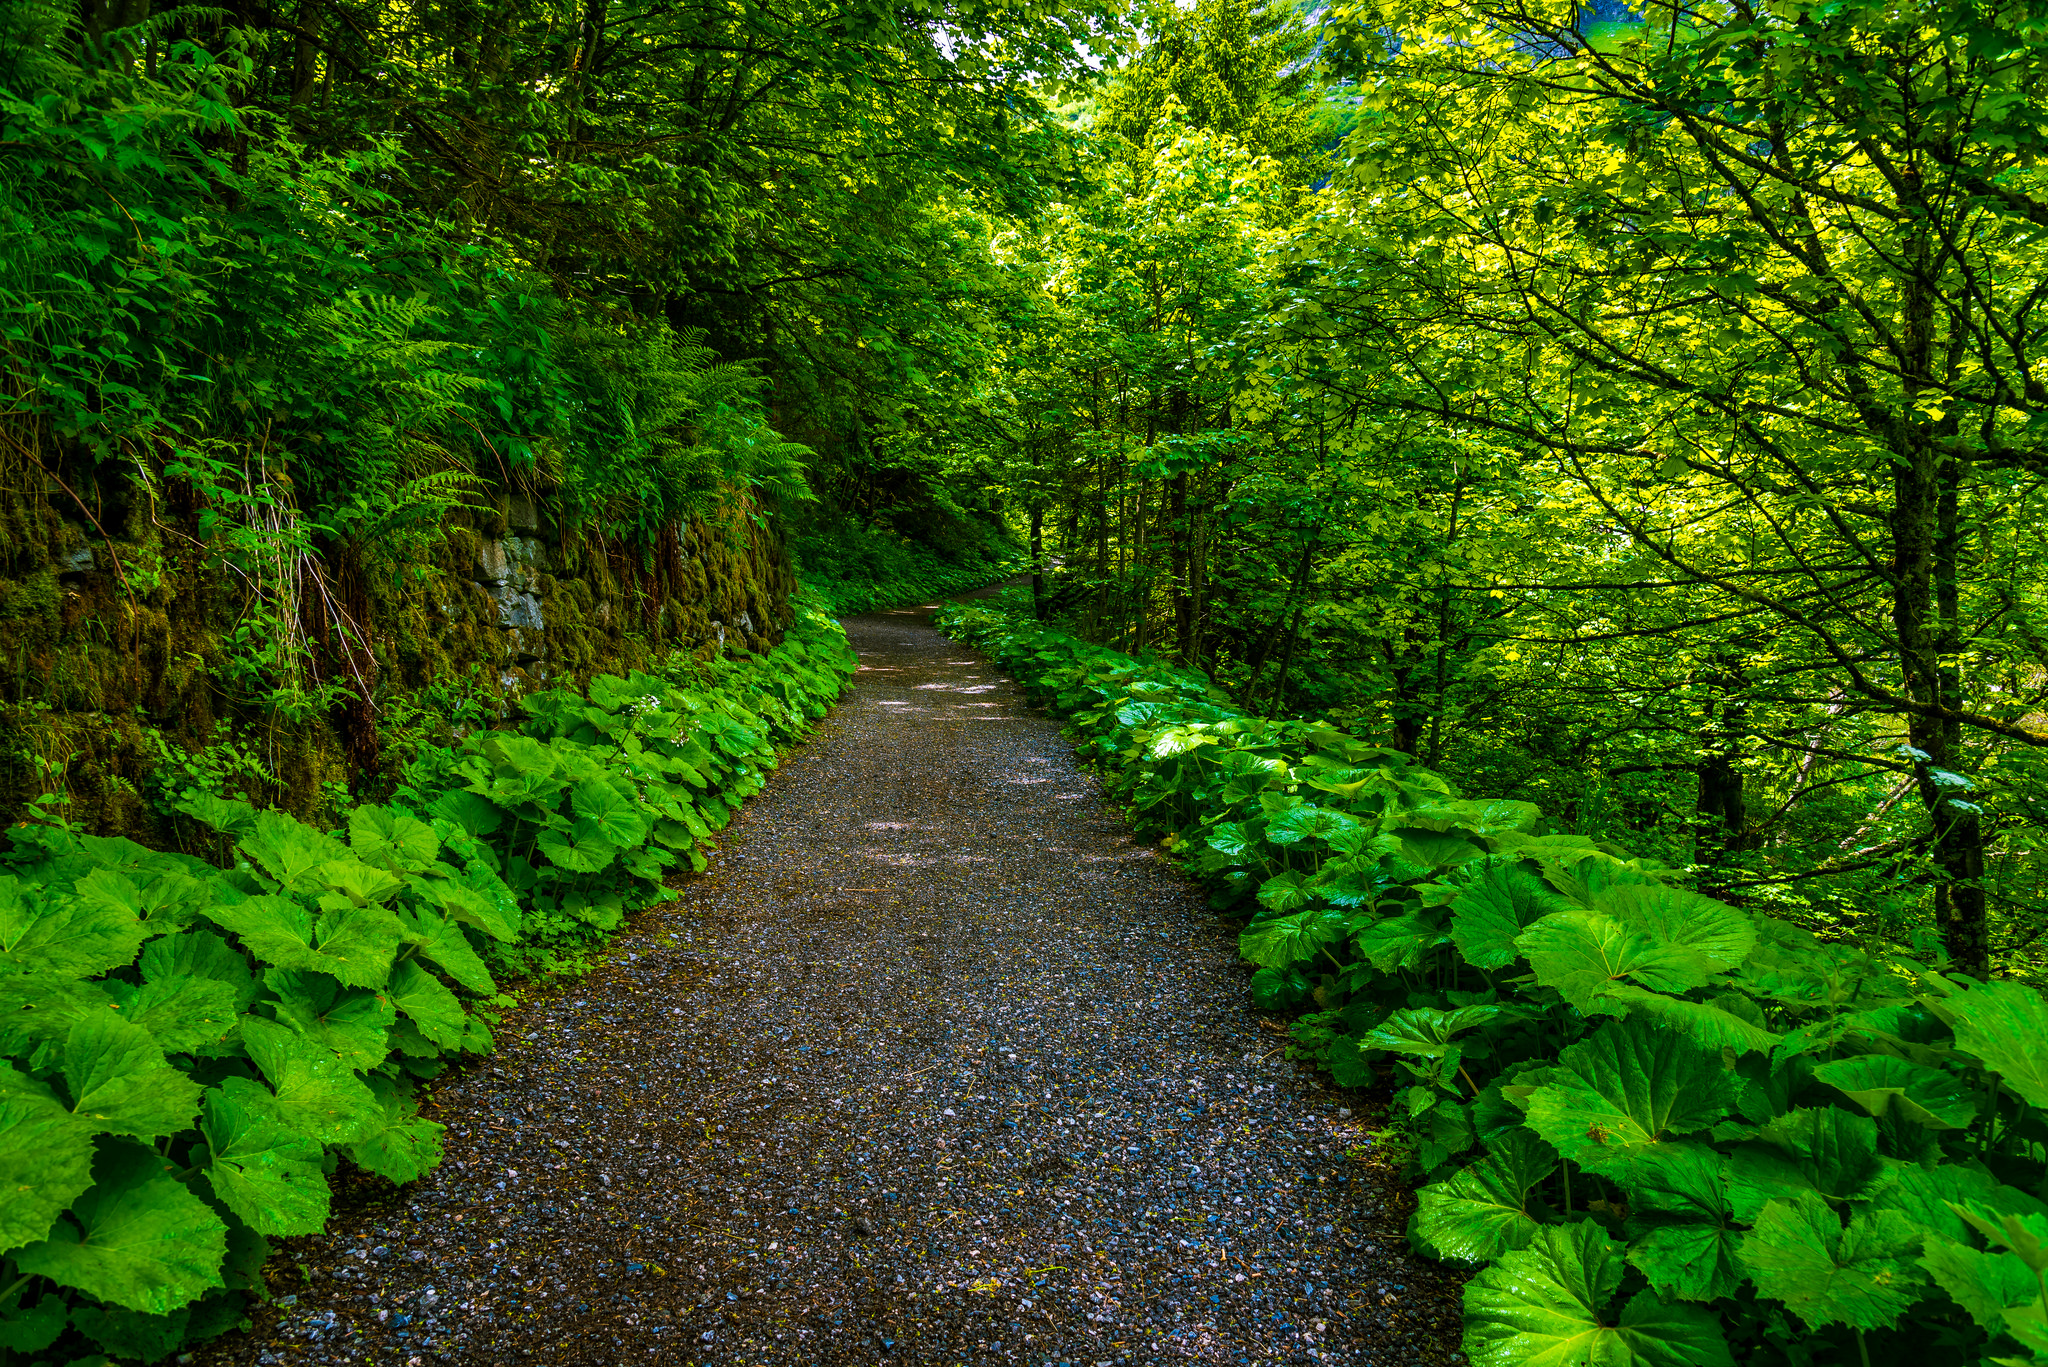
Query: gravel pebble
point(935, 1065)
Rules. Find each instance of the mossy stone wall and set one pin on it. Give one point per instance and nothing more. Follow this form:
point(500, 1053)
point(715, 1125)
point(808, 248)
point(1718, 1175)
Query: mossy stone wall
point(124, 640)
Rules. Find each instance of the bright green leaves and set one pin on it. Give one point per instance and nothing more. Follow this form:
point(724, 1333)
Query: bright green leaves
point(1629, 1087)
point(1985, 1284)
point(1283, 940)
point(1656, 937)
point(181, 1013)
point(137, 1238)
point(352, 944)
point(45, 932)
point(317, 1094)
point(263, 1169)
point(1580, 954)
point(397, 1144)
point(120, 1083)
point(1549, 1304)
point(45, 1158)
point(1501, 903)
point(1857, 1272)
point(2006, 1025)
point(1484, 1210)
point(350, 1022)
point(434, 1011)
point(390, 840)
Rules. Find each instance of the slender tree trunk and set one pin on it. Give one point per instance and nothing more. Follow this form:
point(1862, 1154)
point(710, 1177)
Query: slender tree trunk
point(1925, 608)
point(1182, 555)
point(1038, 561)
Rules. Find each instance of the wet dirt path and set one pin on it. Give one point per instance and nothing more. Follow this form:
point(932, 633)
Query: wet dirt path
point(936, 1065)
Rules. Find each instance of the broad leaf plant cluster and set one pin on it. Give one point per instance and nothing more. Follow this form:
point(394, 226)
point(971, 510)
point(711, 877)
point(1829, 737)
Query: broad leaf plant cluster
point(189, 1049)
point(1664, 1129)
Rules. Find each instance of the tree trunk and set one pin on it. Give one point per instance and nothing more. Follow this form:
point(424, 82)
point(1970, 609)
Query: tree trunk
point(1038, 561)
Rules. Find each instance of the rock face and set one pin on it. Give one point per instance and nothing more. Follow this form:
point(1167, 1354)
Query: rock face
point(533, 605)
point(126, 649)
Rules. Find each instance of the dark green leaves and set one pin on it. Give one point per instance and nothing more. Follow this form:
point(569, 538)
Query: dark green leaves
point(1681, 1228)
point(1828, 1271)
point(2006, 1025)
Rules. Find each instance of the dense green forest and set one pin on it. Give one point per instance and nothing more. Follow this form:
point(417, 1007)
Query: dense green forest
point(1629, 418)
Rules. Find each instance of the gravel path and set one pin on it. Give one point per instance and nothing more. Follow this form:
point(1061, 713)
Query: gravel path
point(936, 1065)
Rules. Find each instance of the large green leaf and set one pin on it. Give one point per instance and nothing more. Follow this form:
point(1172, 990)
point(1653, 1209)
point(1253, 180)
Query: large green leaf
point(404, 1147)
point(1680, 1225)
point(1501, 903)
point(276, 930)
point(357, 944)
point(609, 814)
point(1985, 1285)
point(1394, 943)
point(1883, 1085)
point(1308, 822)
point(317, 1094)
point(1579, 953)
point(263, 1170)
point(2006, 1025)
point(432, 1008)
point(181, 1013)
point(477, 906)
point(120, 1083)
point(443, 944)
point(200, 954)
point(136, 1238)
point(1625, 1089)
point(42, 932)
point(1283, 940)
point(1483, 1210)
point(581, 849)
point(1860, 1274)
point(1716, 931)
point(1548, 1305)
point(290, 851)
point(350, 1021)
point(468, 812)
point(1825, 1151)
point(390, 840)
point(45, 1158)
point(1425, 1030)
point(1929, 1197)
point(1730, 1021)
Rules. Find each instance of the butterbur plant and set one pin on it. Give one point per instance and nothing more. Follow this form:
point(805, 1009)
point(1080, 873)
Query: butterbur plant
point(1660, 1129)
point(187, 1051)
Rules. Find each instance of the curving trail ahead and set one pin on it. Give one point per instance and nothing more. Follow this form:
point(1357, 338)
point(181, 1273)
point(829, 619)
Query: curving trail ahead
point(936, 1065)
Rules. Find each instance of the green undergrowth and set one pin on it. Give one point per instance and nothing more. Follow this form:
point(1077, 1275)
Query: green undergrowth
point(1660, 1129)
point(192, 1047)
point(860, 570)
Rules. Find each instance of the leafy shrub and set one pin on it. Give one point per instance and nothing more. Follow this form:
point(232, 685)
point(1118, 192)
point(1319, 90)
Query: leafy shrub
point(857, 569)
point(1666, 1130)
point(186, 1051)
